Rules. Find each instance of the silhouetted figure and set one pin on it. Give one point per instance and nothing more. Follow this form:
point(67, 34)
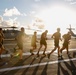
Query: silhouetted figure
point(74, 54)
point(66, 42)
point(20, 41)
point(43, 42)
point(56, 36)
point(1, 42)
point(33, 43)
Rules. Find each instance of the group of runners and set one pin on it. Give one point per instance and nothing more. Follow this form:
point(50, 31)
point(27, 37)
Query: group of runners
point(56, 36)
point(20, 40)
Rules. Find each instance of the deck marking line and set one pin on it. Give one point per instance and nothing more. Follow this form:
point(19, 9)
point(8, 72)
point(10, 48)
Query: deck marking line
point(34, 65)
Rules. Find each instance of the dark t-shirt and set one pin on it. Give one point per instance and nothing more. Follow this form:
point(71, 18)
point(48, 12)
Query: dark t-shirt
point(20, 37)
point(66, 37)
point(43, 39)
point(43, 36)
point(56, 37)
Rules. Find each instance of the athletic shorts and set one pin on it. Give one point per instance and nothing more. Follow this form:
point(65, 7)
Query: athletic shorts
point(33, 44)
point(56, 43)
point(43, 42)
point(20, 45)
point(65, 45)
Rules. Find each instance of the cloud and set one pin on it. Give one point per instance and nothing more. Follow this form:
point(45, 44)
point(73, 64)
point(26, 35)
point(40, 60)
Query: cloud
point(11, 12)
point(5, 24)
point(24, 14)
point(37, 23)
point(41, 26)
point(1, 19)
point(10, 22)
point(72, 3)
point(32, 13)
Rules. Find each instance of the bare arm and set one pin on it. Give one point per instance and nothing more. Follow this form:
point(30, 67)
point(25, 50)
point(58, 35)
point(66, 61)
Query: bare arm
point(60, 37)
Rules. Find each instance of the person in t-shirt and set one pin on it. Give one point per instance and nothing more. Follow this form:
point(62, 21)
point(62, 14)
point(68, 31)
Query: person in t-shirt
point(66, 42)
point(20, 38)
point(1, 42)
point(43, 42)
point(33, 43)
point(56, 36)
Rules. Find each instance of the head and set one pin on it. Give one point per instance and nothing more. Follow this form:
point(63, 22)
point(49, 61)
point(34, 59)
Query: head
point(58, 29)
point(22, 29)
point(69, 33)
point(46, 31)
point(35, 33)
point(0, 29)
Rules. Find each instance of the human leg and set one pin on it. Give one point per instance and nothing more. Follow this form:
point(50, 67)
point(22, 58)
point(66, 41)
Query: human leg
point(51, 52)
point(58, 50)
point(45, 49)
point(67, 50)
point(60, 54)
point(39, 49)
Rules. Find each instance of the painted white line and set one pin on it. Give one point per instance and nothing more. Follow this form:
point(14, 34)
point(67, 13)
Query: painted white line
point(34, 65)
point(28, 53)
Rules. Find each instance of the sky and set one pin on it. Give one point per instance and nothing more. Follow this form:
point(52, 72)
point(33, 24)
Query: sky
point(38, 14)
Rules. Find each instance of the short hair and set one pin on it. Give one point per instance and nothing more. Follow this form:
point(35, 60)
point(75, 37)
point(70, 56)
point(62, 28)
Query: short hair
point(68, 33)
point(22, 28)
point(58, 29)
point(35, 32)
point(46, 30)
point(0, 28)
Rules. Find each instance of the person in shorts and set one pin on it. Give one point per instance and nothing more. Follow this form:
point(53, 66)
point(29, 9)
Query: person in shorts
point(56, 36)
point(1, 42)
point(67, 38)
point(33, 43)
point(43, 42)
point(20, 38)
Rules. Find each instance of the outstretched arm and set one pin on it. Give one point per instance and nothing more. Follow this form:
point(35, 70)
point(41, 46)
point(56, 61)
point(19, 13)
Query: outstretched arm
point(60, 37)
point(52, 36)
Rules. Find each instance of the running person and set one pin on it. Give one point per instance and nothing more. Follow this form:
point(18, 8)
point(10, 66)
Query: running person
point(56, 36)
point(20, 40)
point(66, 42)
point(43, 42)
point(1, 42)
point(33, 43)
